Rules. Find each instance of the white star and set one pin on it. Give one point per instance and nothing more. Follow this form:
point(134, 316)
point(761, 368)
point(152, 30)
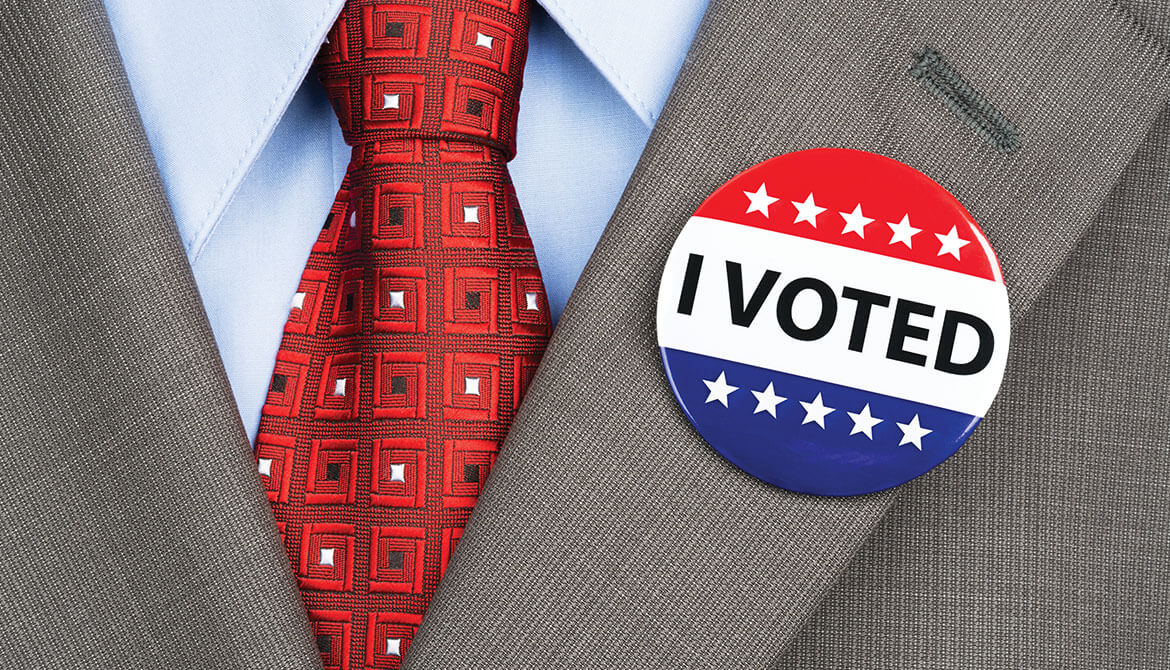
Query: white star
point(719, 389)
point(398, 472)
point(903, 231)
point(482, 40)
point(397, 299)
point(913, 432)
point(389, 101)
point(760, 200)
point(855, 221)
point(951, 243)
point(863, 422)
point(816, 411)
point(326, 557)
point(767, 400)
point(807, 210)
point(264, 466)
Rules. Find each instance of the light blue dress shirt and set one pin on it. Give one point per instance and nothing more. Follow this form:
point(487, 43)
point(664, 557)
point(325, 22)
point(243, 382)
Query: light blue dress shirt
point(251, 155)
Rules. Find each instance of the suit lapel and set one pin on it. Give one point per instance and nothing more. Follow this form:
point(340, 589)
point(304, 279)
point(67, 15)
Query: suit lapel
point(610, 534)
point(130, 497)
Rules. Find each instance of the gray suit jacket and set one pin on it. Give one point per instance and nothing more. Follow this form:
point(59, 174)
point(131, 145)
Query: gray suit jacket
point(133, 532)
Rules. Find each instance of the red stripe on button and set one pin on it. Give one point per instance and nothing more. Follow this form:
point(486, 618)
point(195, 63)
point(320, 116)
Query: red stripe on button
point(840, 180)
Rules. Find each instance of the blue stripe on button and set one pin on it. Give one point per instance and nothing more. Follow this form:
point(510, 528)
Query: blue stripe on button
point(805, 457)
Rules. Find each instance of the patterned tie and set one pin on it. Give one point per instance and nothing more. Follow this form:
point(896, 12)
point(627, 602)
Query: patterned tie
point(417, 325)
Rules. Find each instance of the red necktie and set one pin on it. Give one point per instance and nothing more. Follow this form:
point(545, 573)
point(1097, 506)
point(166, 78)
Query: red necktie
point(417, 326)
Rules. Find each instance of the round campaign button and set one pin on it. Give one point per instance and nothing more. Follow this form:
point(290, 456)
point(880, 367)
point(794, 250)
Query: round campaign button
point(833, 322)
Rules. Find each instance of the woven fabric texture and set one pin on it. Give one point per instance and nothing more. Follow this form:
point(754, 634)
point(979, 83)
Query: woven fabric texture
point(136, 535)
point(134, 532)
point(417, 326)
point(1045, 544)
point(610, 534)
point(1070, 570)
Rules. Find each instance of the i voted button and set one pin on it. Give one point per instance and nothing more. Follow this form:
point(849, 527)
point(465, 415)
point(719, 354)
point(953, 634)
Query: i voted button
point(833, 322)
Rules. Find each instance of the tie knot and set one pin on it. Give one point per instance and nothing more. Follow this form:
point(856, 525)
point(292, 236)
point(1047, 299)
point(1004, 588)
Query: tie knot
point(432, 69)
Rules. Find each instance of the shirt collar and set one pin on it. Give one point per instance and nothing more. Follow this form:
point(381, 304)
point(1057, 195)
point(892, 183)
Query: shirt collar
point(639, 46)
point(213, 79)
